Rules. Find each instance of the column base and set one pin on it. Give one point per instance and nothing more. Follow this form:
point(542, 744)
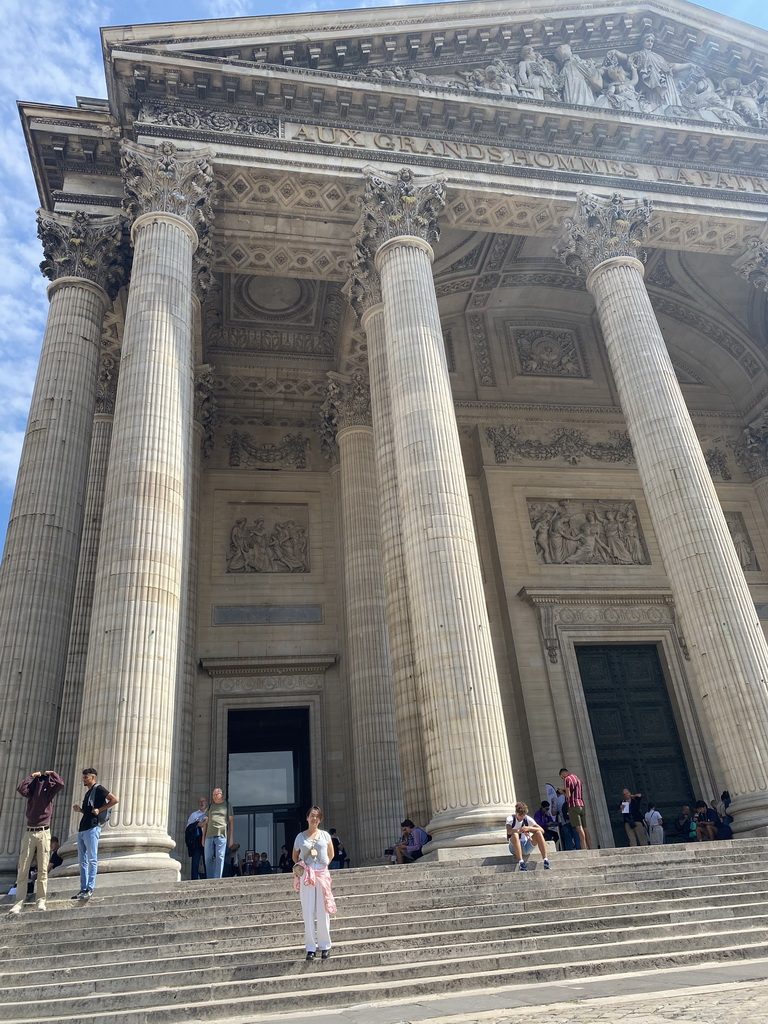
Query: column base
point(750, 814)
point(125, 858)
point(473, 827)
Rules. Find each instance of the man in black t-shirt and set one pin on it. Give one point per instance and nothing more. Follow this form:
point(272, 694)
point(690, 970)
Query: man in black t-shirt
point(95, 810)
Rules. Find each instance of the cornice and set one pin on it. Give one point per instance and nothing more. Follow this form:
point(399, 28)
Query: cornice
point(268, 665)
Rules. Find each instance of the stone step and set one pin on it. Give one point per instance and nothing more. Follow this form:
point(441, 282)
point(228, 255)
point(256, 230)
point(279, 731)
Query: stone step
point(482, 941)
point(338, 983)
point(379, 929)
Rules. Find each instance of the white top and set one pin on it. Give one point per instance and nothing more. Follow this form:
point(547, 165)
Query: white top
point(320, 846)
point(196, 816)
point(653, 818)
point(516, 824)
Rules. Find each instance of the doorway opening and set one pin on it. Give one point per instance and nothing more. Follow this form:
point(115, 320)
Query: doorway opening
point(269, 777)
point(634, 730)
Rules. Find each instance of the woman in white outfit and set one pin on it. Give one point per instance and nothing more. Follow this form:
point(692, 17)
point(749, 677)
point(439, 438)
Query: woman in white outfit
point(655, 825)
point(312, 853)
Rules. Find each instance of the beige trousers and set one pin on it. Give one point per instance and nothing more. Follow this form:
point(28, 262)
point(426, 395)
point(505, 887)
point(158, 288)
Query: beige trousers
point(637, 836)
point(33, 843)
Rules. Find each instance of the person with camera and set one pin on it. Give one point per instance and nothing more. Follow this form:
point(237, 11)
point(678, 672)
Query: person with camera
point(39, 790)
point(95, 810)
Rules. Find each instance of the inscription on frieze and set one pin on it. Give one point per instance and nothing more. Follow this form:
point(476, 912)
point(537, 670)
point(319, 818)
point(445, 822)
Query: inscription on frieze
point(587, 532)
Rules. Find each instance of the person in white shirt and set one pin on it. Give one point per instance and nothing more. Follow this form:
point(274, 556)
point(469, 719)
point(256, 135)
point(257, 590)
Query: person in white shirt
point(312, 853)
point(655, 825)
point(523, 833)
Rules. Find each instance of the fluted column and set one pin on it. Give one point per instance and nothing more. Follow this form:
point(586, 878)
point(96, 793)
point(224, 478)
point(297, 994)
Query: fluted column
point(37, 577)
point(347, 414)
point(366, 298)
point(137, 628)
point(725, 640)
point(468, 767)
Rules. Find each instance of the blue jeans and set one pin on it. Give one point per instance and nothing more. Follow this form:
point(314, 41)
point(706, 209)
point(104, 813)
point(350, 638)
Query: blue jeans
point(88, 855)
point(215, 848)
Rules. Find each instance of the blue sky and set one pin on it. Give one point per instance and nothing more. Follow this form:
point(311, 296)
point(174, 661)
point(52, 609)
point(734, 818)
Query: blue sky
point(53, 54)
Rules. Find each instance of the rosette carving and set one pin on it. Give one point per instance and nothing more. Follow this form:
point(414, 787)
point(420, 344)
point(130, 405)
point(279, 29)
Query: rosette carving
point(163, 179)
point(603, 229)
point(81, 245)
point(400, 204)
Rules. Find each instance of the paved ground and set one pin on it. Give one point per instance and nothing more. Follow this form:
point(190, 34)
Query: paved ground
point(727, 993)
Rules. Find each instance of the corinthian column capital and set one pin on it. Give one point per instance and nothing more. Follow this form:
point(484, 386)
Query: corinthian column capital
point(752, 265)
point(80, 245)
point(603, 229)
point(400, 204)
point(347, 402)
point(163, 179)
point(363, 287)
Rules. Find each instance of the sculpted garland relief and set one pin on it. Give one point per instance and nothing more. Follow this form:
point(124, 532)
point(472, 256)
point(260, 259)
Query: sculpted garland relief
point(587, 533)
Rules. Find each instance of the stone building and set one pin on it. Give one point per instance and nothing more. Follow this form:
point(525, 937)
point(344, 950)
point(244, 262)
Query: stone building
point(400, 430)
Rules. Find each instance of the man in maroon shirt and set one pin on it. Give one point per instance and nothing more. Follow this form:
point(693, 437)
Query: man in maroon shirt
point(576, 811)
point(38, 789)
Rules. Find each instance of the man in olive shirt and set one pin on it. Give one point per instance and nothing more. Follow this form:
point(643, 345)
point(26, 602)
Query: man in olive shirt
point(218, 834)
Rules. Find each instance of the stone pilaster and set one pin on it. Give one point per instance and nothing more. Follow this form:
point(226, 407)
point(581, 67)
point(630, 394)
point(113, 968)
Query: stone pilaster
point(137, 631)
point(726, 644)
point(83, 259)
point(468, 767)
point(365, 295)
point(347, 413)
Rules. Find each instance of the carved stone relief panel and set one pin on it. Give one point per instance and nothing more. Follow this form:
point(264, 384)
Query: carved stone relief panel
point(567, 443)
point(742, 542)
point(546, 349)
point(587, 532)
point(274, 539)
point(246, 452)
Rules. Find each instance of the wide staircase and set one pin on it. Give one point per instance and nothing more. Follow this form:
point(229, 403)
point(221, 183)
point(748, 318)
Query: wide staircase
point(210, 951)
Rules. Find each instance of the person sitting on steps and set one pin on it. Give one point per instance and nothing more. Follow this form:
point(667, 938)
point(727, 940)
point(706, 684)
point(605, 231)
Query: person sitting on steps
point(522, 833)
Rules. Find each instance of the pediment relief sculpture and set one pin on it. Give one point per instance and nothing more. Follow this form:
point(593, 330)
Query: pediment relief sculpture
point(643, 80)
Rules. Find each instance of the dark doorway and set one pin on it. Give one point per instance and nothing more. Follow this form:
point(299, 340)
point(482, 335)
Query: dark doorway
point(634, 731)
point(269, 777)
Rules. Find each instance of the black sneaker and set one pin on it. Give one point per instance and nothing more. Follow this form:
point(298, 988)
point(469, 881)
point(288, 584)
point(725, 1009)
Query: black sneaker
point(325, 954)
point(311, 955)
point(81, 895)
point(87, 894)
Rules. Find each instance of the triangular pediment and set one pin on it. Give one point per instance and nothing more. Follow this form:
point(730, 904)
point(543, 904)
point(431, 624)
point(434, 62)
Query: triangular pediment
point(675, 60)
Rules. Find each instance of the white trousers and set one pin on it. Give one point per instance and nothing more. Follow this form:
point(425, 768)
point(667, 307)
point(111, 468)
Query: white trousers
point(313, 907)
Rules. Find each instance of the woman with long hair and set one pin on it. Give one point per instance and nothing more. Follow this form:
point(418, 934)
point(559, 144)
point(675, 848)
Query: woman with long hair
point(312, 853)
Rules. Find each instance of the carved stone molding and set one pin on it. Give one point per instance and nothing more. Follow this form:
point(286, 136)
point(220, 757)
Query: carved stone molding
point(106, 384)
point(547, 350)
point(400, 204)
point(201, 119)
point(587, 532)
point(245, 453)
point(290, 674)
point(603, 229)
point(717, 463)
point(564, 442)
point(82, 245)
point(558, 609)
point(206, 406)
point(752, 265)
point(481, 350)
point(752, 451)
point(163, 179)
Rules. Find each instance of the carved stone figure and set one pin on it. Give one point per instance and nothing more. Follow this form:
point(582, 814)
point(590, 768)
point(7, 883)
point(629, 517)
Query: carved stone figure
point(257, 550)
point(743, 99)
point(657, 76)
point(619, 90)
point(596, 533)
point(536, 76)
point(580, 80)
point(701, 98)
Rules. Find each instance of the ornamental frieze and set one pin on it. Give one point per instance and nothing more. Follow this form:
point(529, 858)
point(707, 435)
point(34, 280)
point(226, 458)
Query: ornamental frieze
point(274, 541)
point(208, 120)
point(566, 443)
point(245, 453)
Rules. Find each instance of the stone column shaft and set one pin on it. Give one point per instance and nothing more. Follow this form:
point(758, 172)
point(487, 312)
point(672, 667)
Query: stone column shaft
point(369, 675)
point(468, 767)
point(726, 643)
point(404, 678)
point(72, 694)
point(126, 730)
point(37, 576)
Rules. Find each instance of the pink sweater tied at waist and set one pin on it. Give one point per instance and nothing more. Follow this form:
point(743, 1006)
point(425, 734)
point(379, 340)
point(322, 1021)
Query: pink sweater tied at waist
point(321, 877)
